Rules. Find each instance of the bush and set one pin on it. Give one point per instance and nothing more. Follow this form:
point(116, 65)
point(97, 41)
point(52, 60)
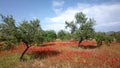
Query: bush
point(63, 35)
point(49, 35)
point(100, 37)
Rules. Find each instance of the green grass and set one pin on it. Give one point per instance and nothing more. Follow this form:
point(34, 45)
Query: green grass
point(9, 61)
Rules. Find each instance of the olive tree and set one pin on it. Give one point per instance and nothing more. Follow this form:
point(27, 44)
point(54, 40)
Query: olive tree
point(83, 26)
point(8, 31)
point(30, 32)
point(101, 36)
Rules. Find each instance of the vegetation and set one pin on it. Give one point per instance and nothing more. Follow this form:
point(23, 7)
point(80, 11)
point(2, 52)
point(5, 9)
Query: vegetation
point(27, 32)
point(115, 35)
point(100, 37)
point(30, 32)
point(8, 32)
point(85, 27)
point(10, 61)
point(63, 56)
point(49, 35)
point(63, 35)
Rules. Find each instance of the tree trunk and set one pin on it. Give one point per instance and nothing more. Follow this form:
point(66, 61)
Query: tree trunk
point(80, 40)
point(99, 43)
point(21, 57)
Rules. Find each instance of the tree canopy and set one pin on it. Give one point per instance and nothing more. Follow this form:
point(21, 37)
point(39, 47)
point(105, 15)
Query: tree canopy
point(82, 25)
point(63, 35)
point(49, 35)
point(8, 31)
point(30, 31)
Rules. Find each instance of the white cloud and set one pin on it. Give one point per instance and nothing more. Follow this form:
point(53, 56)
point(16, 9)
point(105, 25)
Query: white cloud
point(106, 16)
point(57, 6)
point(57, 10)
point(57, 3)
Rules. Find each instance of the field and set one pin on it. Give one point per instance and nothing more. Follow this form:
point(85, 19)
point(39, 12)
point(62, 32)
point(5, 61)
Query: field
point(63, 55)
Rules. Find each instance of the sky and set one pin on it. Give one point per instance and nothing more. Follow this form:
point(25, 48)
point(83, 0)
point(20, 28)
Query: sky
point(53, 13)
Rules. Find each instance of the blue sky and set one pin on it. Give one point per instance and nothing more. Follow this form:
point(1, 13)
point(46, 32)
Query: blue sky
point(53, 13)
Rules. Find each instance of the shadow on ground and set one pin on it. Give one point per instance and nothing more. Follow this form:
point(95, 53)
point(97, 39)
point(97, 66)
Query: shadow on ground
point(44, 54)
point(50, 44)
point(89, 47)
point(85, 47)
